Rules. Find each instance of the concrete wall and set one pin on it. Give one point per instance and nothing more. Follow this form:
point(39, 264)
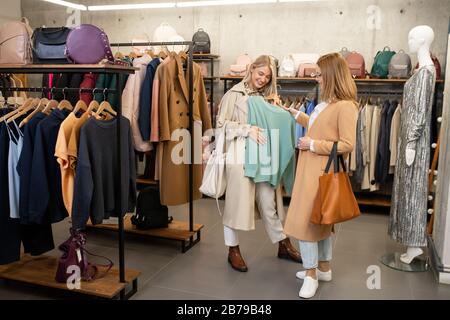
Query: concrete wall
point(277, 29)
point(9, 10)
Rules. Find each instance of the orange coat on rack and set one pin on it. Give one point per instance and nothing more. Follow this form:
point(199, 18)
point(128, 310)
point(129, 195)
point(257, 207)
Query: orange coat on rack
point(173, 115)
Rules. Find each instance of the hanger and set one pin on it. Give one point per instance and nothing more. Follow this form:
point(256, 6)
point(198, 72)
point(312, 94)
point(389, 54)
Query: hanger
point(41, 105)
point(29, 106)
point(80, 105)
point(104, 106)
point(118, 54)
point(52, 104)
point(15, 111)
point(65, 104)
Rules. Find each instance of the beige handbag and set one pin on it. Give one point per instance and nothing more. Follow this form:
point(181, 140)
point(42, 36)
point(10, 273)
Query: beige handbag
point(15, 42)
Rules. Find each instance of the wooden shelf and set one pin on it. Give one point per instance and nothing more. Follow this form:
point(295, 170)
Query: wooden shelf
point(373, 201)
point(71, 68)
point(210, 78)
point(294, 79)
point(205, 56)
point(41, 271)
point(146, 181)
point(177, 230)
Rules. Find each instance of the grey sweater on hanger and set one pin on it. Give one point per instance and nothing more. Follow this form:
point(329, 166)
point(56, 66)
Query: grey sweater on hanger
point(95, 175)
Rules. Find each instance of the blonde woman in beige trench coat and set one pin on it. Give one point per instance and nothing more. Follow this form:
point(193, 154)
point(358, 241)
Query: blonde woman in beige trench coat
point(332, 120)
point(245, 200)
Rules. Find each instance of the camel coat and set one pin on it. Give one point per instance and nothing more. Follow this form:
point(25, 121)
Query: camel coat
point(240, 209)
point(173, 114)
point(336, 123)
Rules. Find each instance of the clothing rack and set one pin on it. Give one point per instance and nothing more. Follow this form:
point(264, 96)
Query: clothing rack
point(107, 289)
point(176, 230)
point(62, 90)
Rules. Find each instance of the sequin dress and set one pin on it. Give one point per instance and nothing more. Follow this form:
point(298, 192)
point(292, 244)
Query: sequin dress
point(408, 216)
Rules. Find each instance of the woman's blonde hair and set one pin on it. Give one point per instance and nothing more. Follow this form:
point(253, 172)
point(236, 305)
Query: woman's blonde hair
point(264, 61)
point(337, 81)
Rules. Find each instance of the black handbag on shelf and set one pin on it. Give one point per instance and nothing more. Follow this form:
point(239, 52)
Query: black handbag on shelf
point(49, 45)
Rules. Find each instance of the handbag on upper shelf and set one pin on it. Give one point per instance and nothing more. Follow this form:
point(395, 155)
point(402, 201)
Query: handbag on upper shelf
point(335, 201)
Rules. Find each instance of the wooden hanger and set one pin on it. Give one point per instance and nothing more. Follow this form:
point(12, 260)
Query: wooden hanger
point(41, 105)
point(80, 105)
point(65, 104)
point(104, 106)
point(93, 106)
point(15, 111)
point(52, 104)
point(29, 106)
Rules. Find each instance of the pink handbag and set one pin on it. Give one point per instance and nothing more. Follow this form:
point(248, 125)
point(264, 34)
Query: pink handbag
point(306, 70)
point(15, 42)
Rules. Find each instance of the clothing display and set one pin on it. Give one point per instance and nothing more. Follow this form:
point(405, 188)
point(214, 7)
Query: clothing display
point(410, 193)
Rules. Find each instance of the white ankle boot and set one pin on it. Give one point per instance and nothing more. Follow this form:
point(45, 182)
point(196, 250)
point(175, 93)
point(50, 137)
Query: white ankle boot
point(309, 288)
point(321, 275)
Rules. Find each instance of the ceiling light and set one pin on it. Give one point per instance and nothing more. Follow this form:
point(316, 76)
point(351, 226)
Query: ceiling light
point(220, 3)
point(68, 4)
point(132, 6)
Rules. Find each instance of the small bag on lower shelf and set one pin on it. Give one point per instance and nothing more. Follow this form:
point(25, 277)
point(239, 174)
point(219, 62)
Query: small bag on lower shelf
point(150, 213)
point(74, 260)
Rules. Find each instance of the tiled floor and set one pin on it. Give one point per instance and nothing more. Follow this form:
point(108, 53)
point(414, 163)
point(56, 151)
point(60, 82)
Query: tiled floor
point(203, 272)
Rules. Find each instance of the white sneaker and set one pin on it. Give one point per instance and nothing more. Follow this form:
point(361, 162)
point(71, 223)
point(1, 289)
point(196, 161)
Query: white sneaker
point(309, 288)
point(322, 276)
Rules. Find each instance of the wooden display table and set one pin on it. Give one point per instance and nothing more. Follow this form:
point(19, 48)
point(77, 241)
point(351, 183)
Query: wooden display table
point(40, 271)
point(177, 230)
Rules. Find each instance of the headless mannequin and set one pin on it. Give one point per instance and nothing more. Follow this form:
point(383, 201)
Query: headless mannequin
point(419, 41)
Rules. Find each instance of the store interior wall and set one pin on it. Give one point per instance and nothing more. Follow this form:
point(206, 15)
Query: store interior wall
point(441, 230)
point(9, 10)
point(278, 29)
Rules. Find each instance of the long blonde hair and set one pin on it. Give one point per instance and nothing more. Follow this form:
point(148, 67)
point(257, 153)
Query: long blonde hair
point(264, 61)
point(337, 81)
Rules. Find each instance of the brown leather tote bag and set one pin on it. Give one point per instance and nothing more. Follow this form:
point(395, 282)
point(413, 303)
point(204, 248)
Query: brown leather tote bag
point(335, 201)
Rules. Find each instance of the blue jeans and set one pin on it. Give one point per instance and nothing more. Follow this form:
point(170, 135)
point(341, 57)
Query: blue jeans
point(313, 252)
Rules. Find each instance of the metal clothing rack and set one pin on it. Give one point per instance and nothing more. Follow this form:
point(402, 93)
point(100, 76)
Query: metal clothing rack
point(124, 277)
point(186, 238)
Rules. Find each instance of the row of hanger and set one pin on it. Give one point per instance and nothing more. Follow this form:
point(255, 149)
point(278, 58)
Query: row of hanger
point(162, 54)
point(294, 102)
point(103, 110)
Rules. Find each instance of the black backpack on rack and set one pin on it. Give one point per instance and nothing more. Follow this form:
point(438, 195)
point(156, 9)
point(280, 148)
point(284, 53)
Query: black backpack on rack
point(150, 213)
point(202, 44)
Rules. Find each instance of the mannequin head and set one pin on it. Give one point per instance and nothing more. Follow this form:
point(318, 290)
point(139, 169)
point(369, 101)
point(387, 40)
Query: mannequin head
point(420, 37)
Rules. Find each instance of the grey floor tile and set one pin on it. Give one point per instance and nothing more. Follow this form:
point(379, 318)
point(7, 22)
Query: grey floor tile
point(361, 292)
point(268, 278)
point(356, 269)
point(159, 293)
point(360, 242)
point(438, 293)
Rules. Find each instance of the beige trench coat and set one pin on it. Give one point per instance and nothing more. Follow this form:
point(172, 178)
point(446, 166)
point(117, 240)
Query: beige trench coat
point(173, 115)
point(336, 123)
point(240, 209)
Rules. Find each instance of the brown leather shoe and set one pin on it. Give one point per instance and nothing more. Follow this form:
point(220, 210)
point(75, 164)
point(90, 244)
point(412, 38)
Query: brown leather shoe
point(236, 260)
point(287, 251)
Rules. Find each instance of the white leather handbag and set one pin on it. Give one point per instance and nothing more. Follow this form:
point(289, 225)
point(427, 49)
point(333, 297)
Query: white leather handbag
point(214, 180)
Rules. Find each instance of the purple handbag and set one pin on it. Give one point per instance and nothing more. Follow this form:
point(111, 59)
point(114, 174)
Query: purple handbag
point(74, 255)
point(88, 44)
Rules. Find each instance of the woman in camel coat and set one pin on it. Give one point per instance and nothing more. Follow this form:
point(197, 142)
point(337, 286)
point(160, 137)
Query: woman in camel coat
point(332, 120)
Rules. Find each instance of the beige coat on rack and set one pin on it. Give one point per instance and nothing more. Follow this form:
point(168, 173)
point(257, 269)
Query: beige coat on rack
point(336, 123)
point(240, 203)
point(173, 115)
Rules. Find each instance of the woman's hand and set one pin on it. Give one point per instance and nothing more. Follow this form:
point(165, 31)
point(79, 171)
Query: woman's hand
point(304, 143)
point(257, 135)
point(291, 110)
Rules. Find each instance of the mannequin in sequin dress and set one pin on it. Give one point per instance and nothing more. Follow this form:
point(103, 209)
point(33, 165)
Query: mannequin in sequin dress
point(408, 217)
